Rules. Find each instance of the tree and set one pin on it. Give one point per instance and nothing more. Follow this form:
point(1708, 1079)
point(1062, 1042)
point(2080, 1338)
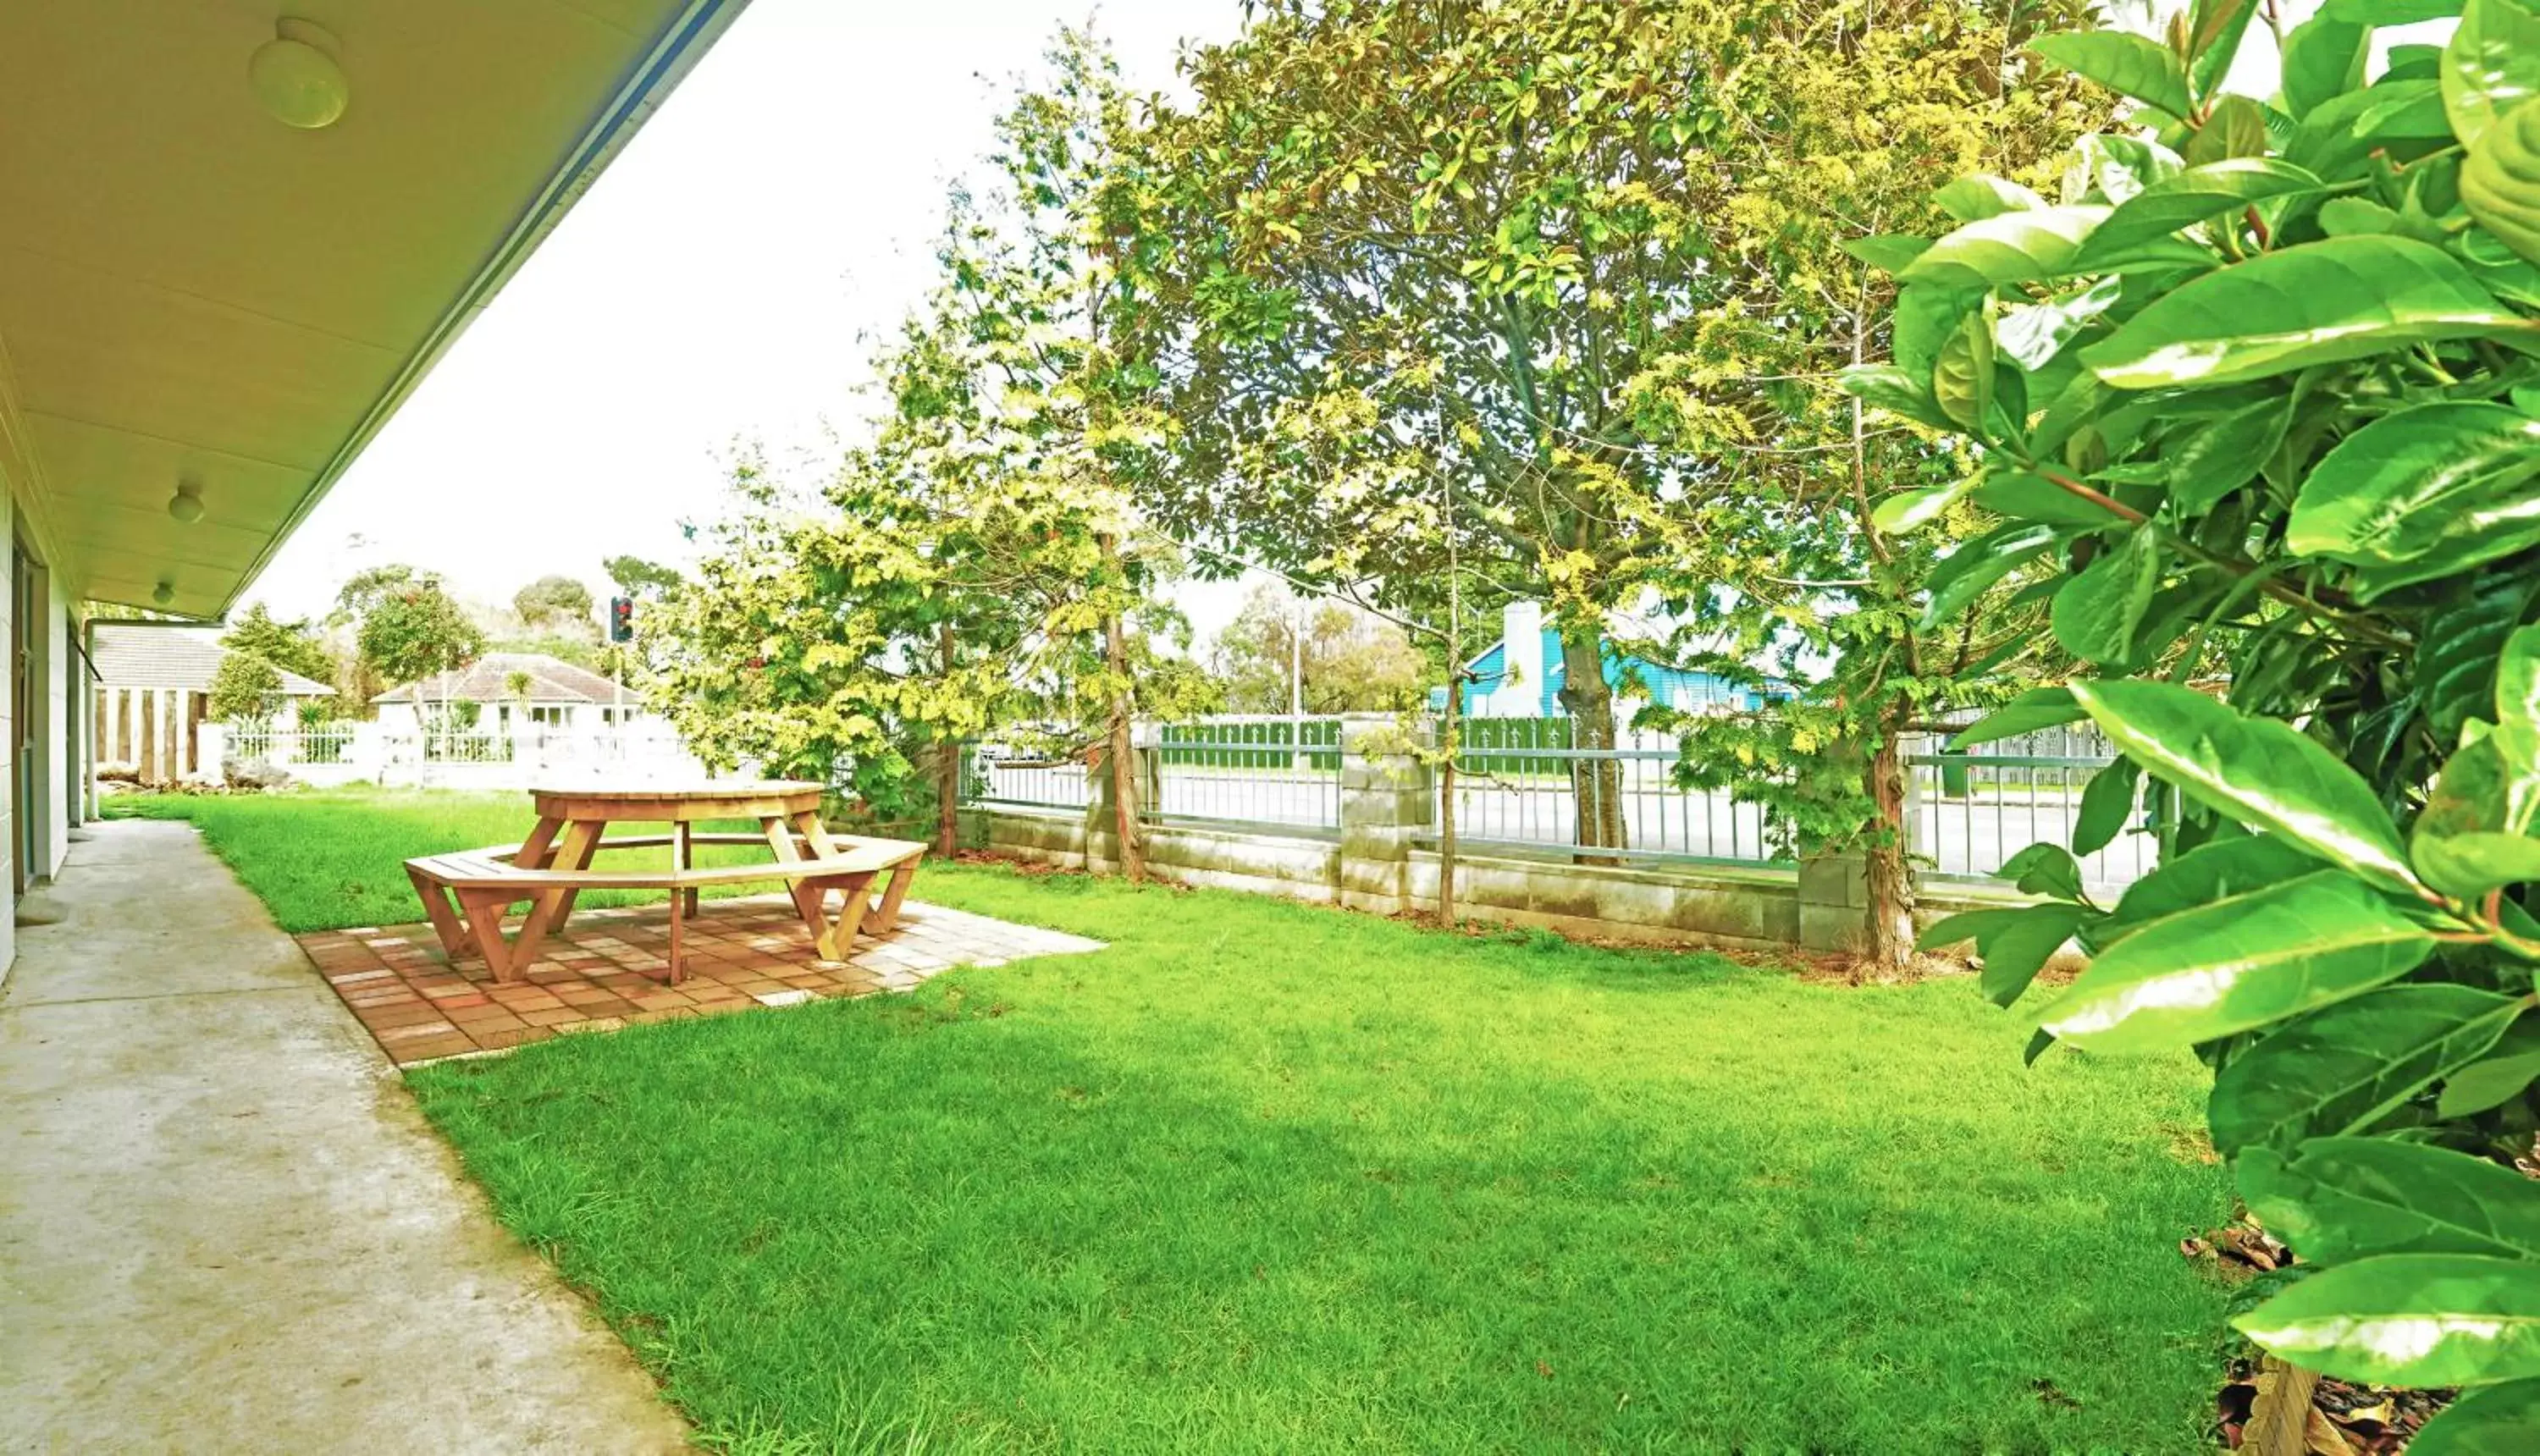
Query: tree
point(245, 690)
point(1500, 245)
point(641, 580)
point(412, 630)
point(555, 603)
point(1350, 662)
point(981, 562)
point(2293, 461)
point(293, 646)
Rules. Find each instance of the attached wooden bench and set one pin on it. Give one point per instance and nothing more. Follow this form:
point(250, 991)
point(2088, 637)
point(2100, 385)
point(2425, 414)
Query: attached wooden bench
point(485, 883)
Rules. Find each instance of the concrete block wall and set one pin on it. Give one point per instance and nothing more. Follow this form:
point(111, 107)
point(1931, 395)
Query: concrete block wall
point(1377, 863)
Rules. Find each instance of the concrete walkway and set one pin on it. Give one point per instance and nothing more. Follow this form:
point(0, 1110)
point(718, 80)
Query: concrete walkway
point(223, 1225)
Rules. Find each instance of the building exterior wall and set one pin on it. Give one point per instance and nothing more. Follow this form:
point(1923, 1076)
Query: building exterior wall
point(9, 751)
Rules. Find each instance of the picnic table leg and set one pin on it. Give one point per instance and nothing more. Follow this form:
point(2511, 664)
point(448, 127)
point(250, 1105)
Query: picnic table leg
point(683, 853)
point(679, 910)
point(538, 848)
point(455, 942)
point(806, 895)
point(548, 910)
point(485, 922)
point(837, 938)
point(886, 916)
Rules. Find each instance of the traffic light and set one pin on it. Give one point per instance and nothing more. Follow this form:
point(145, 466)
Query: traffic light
point(621, 619)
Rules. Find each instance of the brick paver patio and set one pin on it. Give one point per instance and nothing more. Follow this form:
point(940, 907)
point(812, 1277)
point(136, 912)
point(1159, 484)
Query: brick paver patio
point(609, 969)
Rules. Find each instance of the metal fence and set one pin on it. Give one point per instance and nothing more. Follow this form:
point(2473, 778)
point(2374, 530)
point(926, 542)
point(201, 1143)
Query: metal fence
point(1003, 774)
point(1276, 772)
point(1526, 794)
point(289, 746)
point(1974, 811)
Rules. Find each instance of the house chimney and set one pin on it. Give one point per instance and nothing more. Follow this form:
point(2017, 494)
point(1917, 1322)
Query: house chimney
point(1522, 648)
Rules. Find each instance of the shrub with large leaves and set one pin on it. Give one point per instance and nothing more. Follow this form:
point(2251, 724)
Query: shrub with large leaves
point(2257, 406)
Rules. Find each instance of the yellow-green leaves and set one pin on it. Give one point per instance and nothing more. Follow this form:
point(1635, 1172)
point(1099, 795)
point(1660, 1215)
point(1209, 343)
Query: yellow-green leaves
point(2338, 299)
point(2421, 493)
point(2238, 964)
point(2409, 1319)
point(2127, 64)
point(2255, 770)
point(2493, 1420)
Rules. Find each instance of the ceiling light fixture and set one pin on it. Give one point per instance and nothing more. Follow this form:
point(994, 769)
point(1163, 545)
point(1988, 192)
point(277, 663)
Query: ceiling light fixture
point(187, 504)
point(295, 78)
point(163, 593)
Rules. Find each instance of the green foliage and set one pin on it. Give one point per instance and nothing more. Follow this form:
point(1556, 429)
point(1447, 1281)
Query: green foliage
point(2299, 470)
point(293, 647)
point(555, 603)
point(1353, 662)
point(245, 690)
point(981, 562)
point(411, 628)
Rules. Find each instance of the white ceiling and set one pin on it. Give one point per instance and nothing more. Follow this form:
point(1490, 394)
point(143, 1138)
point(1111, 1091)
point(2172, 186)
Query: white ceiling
point(190, 290)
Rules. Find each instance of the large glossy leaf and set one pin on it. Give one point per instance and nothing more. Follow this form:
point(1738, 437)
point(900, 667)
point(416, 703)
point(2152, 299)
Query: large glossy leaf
point(1962, 575)
point(1982, 195)
point(1887, 251)
point(2013, 944)
point(2214, 31)
point(2023, 496)
point(2344, 1067)
point(2207, 873)
point(2425, 492)
point(2107, 801)
point(2338, 1200)
point(1925, 320)
point(2017, 246)
point(2226, 454)
point(2044, 870)
point(2191, 197)
point(2319, 302)
point(2323, 57)
point(2456, 657)
point(2497, 1077)
point(2391, 12)
point(2127, 64)
point(2491, 66)
point(2518, 707)
point(2500, 184)
point(2031, 335)
point(2033, 710)
point(2498, 1420)
point(2409, 1319)
point(1891, 388)
point(2240, 964)
point(2235, 127)
point(2098, 614)
point(1962, 378)
point(1911, 510)
point(2256, 770)
point(2463, 840)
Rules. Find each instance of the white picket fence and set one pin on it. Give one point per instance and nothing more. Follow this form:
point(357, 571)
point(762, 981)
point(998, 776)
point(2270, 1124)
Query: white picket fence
point(323, 755)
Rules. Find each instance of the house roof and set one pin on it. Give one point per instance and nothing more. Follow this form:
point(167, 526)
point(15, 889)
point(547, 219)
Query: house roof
point(488, 679)
point(174, 659)
point(1673, 686)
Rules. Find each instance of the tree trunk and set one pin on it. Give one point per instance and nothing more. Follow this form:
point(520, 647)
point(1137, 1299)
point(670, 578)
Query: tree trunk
point(1888, 941)
point(1124, 763)
point(948, 765)
point(1596, 783)
point(1450, 726)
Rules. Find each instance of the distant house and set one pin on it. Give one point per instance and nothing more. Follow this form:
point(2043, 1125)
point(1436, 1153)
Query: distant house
point(154, 687)
point(516, 690)
point(1521, 674)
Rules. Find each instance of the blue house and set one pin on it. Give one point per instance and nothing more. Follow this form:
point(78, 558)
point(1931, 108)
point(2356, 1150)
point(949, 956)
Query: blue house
point(1521, 675)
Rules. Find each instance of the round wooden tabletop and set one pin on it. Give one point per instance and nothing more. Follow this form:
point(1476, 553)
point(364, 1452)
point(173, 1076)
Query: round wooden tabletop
point(735, 799)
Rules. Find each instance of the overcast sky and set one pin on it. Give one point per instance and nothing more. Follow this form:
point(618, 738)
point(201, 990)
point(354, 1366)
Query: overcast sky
point(719, 283)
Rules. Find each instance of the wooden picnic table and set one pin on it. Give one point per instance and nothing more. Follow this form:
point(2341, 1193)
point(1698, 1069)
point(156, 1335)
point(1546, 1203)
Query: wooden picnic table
point(573, 826)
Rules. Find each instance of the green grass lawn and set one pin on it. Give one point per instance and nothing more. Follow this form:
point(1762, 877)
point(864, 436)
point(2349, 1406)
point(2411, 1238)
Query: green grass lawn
point(1264, 1177)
